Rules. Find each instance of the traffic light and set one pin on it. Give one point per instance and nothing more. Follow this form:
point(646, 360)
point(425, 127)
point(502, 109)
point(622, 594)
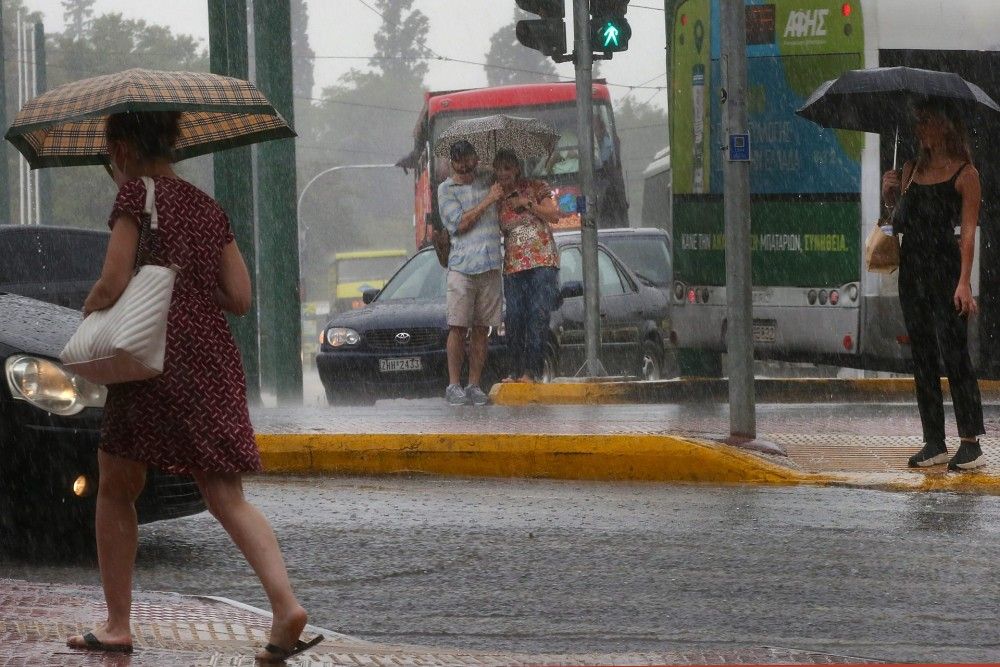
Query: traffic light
point(609, 29)
point(547, 33)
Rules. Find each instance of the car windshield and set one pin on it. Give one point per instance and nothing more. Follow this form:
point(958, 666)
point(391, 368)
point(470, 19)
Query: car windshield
point(420, 278)
point(648, 258)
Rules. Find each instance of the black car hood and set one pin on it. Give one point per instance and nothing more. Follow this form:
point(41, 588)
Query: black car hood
point(404, 312)
point(35, 327)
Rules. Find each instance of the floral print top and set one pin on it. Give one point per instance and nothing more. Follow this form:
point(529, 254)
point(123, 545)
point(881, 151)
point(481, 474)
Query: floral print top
point(528, 241)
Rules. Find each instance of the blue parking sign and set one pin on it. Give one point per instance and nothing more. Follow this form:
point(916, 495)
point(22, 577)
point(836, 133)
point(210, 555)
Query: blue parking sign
point(739, 147)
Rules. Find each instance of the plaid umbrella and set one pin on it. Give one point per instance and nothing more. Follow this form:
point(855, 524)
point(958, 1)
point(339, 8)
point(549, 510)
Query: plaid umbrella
point(65, 126)
point(528, 137)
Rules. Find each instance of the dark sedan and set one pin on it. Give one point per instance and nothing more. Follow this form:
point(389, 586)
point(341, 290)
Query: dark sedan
point(395, 346)
point(49, 417)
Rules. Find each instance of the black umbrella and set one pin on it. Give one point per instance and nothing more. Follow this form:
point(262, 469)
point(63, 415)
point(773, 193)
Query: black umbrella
point(876, 99)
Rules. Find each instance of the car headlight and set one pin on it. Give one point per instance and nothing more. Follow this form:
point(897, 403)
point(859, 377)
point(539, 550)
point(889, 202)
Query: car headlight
point(341, 336)
point(47, 385)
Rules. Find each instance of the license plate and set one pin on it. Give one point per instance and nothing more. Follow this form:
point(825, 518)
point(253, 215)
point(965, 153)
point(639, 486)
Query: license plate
point(764, 331)
point(396, 365)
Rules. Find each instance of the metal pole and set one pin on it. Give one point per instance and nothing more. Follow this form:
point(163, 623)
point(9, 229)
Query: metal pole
point(232, 172)
point(33, 200)
point(588, 225)
point(43, 178)
point(20, 103)
point(298, 204)
point(739, 290)
point(4, 171)
point(281, 311)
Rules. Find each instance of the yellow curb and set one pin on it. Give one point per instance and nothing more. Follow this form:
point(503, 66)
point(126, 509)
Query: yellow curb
point(680, 390)
point(661, 458)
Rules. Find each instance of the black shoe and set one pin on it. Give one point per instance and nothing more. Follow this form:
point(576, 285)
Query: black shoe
point(930, 455)
point(968, 456)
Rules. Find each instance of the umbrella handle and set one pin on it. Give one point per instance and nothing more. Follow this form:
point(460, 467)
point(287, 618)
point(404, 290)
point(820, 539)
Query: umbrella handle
point(895, 148)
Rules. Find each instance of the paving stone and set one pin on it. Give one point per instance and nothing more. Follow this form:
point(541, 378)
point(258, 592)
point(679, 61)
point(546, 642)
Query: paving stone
point(174, 630)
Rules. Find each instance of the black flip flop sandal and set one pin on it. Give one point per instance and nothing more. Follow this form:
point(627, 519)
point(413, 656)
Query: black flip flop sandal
point(282, 654)
point(92, 643)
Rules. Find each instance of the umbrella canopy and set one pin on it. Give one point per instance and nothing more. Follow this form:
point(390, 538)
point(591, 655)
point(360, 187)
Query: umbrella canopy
point(875, 100)
point(65, 126)
point(528, 137)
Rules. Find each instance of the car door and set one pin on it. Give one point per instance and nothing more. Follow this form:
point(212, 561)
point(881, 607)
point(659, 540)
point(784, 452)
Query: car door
point(620, 311)
point(572, 350)
point(621, 316)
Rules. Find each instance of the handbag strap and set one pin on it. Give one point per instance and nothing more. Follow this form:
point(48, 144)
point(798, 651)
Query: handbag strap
point(148, 228)
point(150, 206)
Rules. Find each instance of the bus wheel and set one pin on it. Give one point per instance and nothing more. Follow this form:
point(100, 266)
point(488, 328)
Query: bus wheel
point(651, 364)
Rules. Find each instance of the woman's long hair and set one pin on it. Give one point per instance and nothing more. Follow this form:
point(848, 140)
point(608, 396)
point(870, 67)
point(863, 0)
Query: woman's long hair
point(956, 139)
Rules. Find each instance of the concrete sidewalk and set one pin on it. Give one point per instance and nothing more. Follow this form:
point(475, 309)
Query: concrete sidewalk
point(173, 630)
point(585, 431)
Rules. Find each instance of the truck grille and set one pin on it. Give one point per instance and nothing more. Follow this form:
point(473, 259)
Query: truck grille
point(385, 339)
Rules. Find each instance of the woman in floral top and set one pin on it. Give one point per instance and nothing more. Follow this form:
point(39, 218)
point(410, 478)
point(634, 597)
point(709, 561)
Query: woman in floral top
point(531, 265)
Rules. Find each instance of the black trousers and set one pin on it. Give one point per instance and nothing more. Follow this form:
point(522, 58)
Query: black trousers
point(938, 333)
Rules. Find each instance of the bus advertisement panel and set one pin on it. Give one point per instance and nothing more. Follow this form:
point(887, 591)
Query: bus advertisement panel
point(804, 180)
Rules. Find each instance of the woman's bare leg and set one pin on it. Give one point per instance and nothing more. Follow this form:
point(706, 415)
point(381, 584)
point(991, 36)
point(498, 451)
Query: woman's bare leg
point(121, 482)
point(250, 530)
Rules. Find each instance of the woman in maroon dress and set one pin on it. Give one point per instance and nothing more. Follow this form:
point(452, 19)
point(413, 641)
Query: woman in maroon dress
point(193, 418)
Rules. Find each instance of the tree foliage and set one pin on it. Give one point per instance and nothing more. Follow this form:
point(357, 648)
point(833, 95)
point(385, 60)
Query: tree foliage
point(367, 118)
point(77, 15)
point(642, 131)
point(302, 54)
point(509, 62)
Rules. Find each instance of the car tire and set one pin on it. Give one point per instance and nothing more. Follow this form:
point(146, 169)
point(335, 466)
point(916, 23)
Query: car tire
point(651, 361)
point(339, 396)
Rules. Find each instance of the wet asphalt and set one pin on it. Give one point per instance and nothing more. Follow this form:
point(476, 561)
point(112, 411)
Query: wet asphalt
point(523, 565)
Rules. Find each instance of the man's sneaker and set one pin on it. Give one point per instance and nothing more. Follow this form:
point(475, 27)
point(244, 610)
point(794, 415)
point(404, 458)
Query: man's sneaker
point(476, 395)
point(930, 455)
point(968, 456)
point(455, 395)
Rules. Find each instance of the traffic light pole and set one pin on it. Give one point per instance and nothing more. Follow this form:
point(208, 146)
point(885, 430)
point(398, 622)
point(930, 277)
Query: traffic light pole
point(736, 173)
point(588, 225)
point(4, 151)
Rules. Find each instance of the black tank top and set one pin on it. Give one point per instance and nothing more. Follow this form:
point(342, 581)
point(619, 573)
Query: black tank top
point(927, 216)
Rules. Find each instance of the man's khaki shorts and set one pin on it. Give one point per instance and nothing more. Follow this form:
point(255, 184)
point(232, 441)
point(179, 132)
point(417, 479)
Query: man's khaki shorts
point(475, 300)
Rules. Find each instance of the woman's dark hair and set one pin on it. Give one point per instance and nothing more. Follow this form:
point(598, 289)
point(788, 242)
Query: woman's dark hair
point(506, 156)
point(956, 139)
point(152, 133)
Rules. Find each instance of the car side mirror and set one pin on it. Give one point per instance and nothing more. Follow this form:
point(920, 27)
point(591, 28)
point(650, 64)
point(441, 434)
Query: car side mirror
point(369, 294)
point(571, 289)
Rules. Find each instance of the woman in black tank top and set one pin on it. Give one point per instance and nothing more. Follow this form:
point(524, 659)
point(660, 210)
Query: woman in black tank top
point(935, 271)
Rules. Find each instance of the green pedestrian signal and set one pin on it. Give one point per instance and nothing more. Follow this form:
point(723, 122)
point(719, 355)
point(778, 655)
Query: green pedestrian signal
point(609, 29)
point(610, 33)
point(609, 36)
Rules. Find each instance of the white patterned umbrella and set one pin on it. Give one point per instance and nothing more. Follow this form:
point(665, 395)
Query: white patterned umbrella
point(528, 137)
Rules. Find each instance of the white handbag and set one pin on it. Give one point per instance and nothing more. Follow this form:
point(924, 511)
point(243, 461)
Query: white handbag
point(127, 341)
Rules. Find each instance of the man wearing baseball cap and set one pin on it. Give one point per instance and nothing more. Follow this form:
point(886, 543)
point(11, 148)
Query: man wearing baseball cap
point(467, 203)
